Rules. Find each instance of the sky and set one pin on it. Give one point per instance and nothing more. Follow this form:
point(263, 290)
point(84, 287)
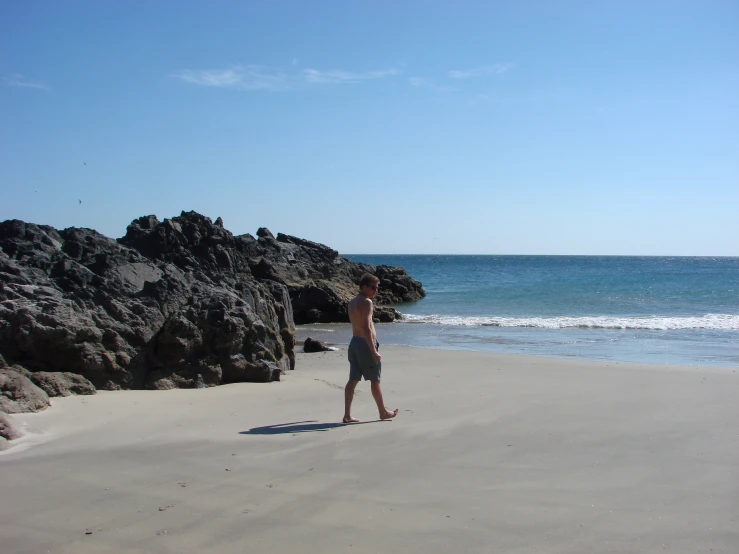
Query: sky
point(396, 127)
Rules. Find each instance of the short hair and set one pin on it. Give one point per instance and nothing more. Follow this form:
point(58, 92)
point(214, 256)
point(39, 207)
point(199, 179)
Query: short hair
point(368, 279)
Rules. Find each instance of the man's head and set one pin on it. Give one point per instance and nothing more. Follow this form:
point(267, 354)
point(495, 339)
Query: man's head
point(368, 285)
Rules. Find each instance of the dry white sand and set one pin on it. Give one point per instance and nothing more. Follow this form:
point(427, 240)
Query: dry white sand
point(489, 453)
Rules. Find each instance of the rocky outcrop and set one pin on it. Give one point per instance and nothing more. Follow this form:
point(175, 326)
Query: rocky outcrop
point(174, 303)
point(321, 282)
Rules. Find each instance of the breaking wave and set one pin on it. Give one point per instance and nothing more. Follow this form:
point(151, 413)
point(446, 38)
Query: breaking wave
point(717, 322)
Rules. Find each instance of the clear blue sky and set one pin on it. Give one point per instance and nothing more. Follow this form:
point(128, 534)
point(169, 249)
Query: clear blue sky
point(589, 127)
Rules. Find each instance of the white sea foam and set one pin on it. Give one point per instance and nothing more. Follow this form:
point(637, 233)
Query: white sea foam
point(717, 322)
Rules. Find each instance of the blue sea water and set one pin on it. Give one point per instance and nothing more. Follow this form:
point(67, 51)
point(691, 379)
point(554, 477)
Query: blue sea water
point(677, 310)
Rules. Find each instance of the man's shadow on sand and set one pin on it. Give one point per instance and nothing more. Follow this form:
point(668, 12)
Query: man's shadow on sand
point(299, 427)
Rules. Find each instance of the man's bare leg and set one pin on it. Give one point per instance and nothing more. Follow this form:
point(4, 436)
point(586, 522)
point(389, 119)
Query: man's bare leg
point(377, 394)
point(348, 397)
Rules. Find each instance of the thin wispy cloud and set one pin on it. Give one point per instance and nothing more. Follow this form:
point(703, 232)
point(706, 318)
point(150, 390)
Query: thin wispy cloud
point(423, 82)
point(255, 77)
point(252, 77)
point(483, 71)
point(338, 77)
point(18, 80)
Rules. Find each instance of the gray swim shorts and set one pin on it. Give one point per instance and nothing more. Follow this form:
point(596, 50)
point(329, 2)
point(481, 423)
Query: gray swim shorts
point(361, 362)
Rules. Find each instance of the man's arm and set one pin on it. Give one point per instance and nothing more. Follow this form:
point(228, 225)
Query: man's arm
point(368, 327)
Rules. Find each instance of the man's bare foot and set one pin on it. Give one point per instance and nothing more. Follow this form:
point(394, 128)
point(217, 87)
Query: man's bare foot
point(350, 420)
point(388, 414)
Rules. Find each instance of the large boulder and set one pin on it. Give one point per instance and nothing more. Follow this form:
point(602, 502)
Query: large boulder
point(18, 394)
point(61, 383)
point(314, 345)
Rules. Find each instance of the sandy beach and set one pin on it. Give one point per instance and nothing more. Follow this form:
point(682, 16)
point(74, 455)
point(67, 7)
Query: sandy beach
point(489, 453)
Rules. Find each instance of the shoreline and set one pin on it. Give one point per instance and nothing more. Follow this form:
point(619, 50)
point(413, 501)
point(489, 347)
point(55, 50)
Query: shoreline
point(496, 452)
point(599, 346)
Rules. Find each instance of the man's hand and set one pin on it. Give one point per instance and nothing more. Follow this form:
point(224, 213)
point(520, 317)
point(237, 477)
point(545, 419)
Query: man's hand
point(377, 357)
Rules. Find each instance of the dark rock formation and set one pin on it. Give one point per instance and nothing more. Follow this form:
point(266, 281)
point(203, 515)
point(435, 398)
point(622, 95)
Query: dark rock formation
point(321, 283)
point(171, 301)
point(313, 345)
point(178, 303)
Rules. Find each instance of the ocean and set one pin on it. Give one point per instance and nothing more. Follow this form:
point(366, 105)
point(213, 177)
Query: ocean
point(660, 310)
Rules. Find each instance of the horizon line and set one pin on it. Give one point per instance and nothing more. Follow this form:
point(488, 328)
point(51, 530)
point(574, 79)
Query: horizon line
point(557, 255)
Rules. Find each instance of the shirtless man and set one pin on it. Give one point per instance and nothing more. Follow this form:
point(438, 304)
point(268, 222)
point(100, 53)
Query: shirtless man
point(364, 359)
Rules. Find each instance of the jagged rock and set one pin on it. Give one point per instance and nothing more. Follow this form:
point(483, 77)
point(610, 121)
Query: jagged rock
point(263, 232)
point(18, 394)
point(8, 430)
point(114, 312)
point(226, 313)
point(313, 345)
point(174, 303)
point(61, 383)
point(321, 282)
